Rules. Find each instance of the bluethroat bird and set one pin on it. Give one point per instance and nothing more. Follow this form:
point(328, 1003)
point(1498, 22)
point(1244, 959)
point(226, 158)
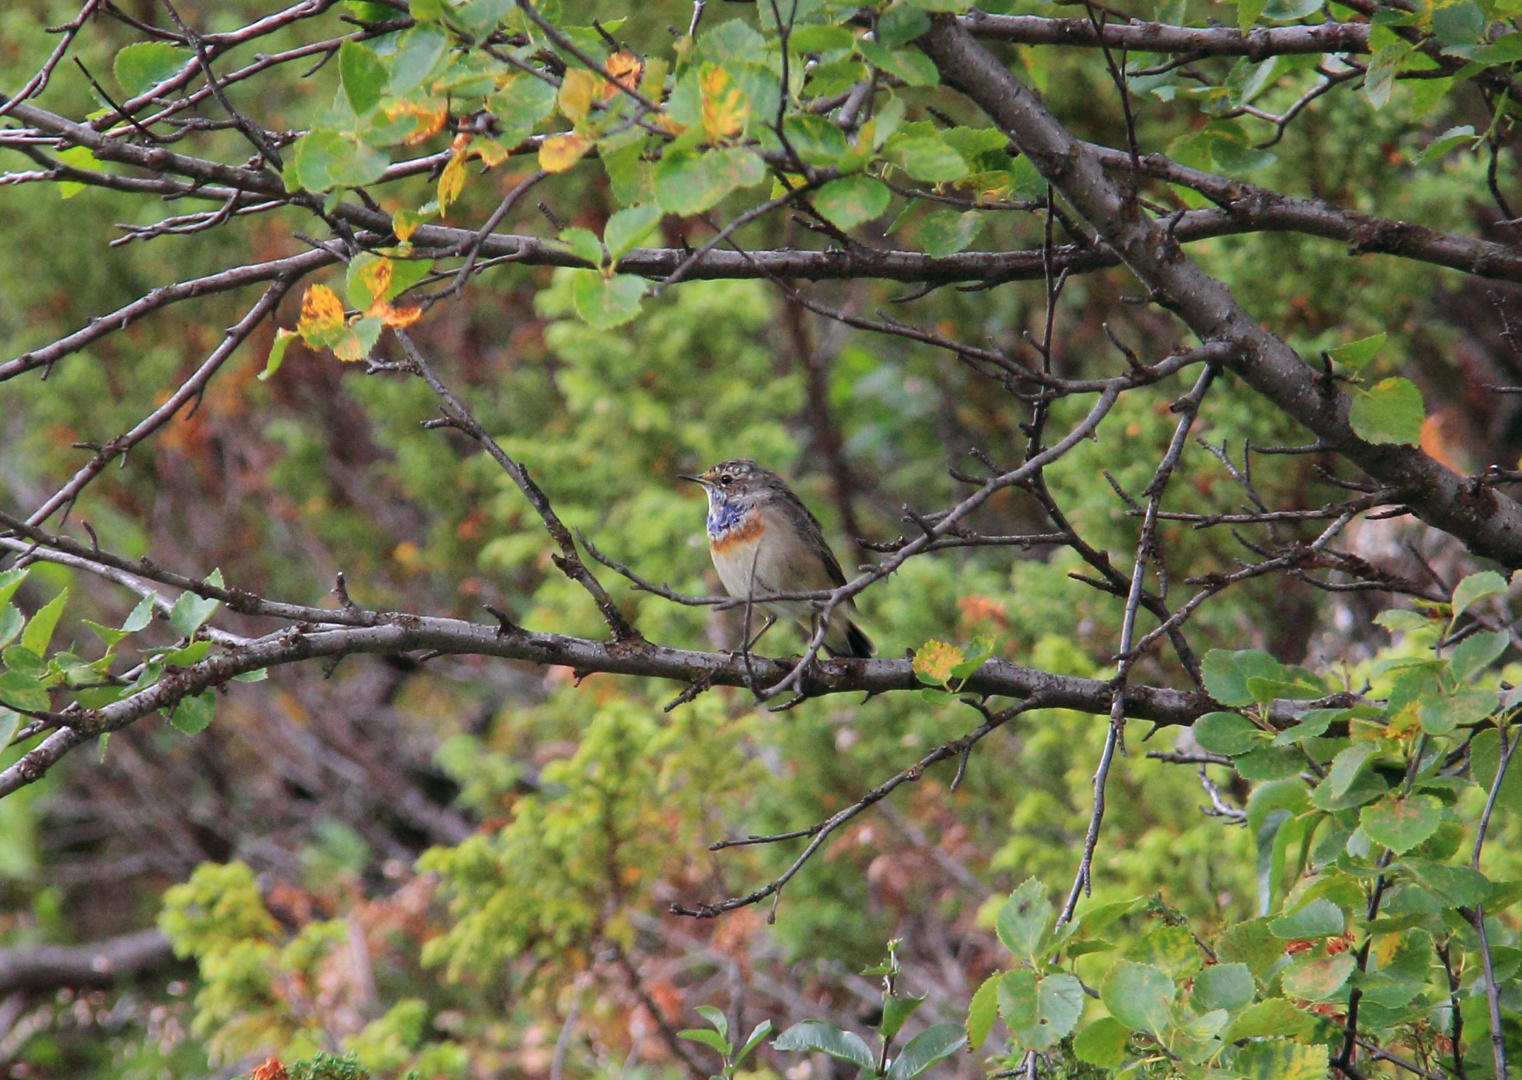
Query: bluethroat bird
point(764, 540)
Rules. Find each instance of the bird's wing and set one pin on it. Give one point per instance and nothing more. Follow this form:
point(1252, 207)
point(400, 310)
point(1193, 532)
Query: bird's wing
point(810, 529)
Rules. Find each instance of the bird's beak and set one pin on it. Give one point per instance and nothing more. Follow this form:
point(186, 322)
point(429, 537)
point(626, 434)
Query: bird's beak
point(694, 479)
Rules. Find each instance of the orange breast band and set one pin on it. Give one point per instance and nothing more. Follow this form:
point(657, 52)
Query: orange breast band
point(749, 529)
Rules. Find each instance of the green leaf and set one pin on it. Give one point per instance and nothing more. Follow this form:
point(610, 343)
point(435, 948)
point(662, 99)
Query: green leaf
point(757, 1033)
point(418, 51)
point(362, 74)
point(901, 24)
point(1475, 588)
point(190, 654)
point(1227, 733)
point(1459, 24)
point(11, 623)
point(1484, 758)
point(708, 1037)
point(1346, 767)
point(193, 714)
point(852, 200)
point(1379, 80)
point(604, 303)
point(911, 65)
point(1277, 1059)
point(1102, 1043)
point(1223, 986)
point(583, 244)
point(690, 183)
point(896, 1010)
point(816, 140)
point(982, 1011)
point(283, 338)
point(329, 159)
point(1039, 1012)
point(1172, 950)
point(21, 659)
point(925, 158)
point(141, 66)
point(1451, 139)
point(627, 229)
point(1251, 943)
point(10, 581)
point(23, 692)
point(944, 231)
point(1469, 705)
point(1388, 412)
point(1268, 1018)
point(1226, 674)
point(10, 723)
point(1318, 919)
point(816, 1035)
point(1317, 978)
point(931, 1045)
point(1355, 354)
point(1247, 13)
point(820, 39)
point(1401, 823)
point(39, 629)
point(1270, 763)
point(1138, 995)
point(1023, 921)
point(190, 612)
point(1476, 652)
point(720, 1022)
point(520, 104)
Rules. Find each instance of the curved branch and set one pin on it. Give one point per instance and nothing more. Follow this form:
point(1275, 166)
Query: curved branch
point(1489, 523)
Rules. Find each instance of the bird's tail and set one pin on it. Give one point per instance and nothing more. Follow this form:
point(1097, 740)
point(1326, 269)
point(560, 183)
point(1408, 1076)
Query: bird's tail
point(845, 638)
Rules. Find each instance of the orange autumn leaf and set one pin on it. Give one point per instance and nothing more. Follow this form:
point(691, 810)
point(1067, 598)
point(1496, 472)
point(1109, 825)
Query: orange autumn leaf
point(725, 109)
point(429, 117)
point(559, 152)
point(397, 317)
point(270, 1070)
point(625, 69)
point(322, 315)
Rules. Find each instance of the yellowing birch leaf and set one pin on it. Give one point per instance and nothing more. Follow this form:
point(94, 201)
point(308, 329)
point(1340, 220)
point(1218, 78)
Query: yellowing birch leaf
point(559, 152)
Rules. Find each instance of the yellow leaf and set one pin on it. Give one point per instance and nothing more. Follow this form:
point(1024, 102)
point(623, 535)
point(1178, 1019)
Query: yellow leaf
point(374, 276)
point(934, 660)
point(725, 109)
point(671, 126)
point(559, 152)
point(492, 152)
point(452, 180)
point(652, 80)
point(322, 315)
point(404, 223)
point(576, 91)
point(625, 69)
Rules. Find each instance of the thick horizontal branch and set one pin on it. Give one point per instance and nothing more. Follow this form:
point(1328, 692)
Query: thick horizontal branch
point(1257, 44)
point(1487, 522)
point(99, 964)
point(395, 634)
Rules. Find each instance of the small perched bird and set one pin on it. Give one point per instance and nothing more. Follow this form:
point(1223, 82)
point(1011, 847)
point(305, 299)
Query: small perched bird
point(764, 540)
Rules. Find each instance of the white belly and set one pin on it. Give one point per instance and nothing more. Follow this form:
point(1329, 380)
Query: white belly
point(754, 567)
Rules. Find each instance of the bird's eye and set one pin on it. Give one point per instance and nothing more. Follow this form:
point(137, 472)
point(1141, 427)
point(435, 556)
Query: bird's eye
point(726, 479)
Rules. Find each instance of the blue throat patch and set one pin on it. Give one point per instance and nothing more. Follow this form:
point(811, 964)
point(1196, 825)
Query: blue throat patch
point(722, 517)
